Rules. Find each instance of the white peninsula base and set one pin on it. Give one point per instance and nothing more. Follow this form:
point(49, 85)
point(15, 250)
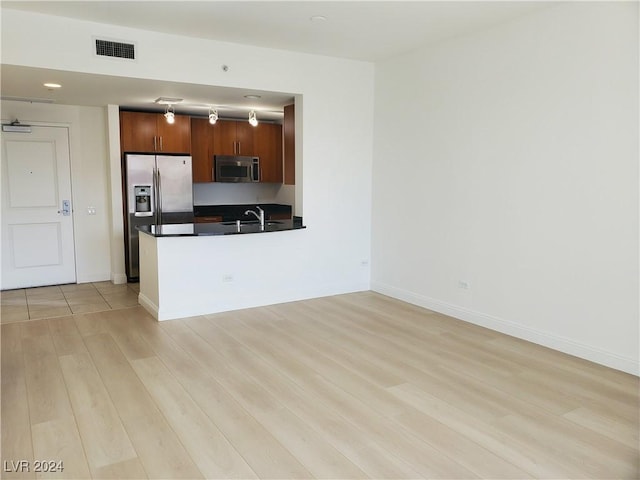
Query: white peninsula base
point(183, 276)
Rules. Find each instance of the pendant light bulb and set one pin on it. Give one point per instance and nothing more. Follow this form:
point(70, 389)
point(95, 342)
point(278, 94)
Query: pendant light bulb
point(170, 115)
point(253, 121)
point(213, 116)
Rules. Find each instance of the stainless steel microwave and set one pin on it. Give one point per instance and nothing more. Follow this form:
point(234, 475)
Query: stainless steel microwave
point(236, 169)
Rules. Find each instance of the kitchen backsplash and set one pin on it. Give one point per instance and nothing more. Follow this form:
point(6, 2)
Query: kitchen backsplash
point(235, 193)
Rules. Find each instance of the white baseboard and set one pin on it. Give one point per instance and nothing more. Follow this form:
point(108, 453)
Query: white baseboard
point(562, 344)
point(148, 305)
point(118, 278)
point(173, 309)
point(104, 277)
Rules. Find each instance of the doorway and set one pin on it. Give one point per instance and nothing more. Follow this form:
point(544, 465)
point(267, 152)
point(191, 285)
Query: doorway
point(37, 217)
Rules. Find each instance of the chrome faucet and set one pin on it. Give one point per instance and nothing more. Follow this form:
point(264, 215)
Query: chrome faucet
point(259, 216)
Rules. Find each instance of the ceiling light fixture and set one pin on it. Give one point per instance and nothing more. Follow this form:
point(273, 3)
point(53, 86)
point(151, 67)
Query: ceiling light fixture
point(25, 99)
point(318, 18)
point(167, 100)
point(253, 121)
point(170, 115)
point(52, 85)
point(213, 115)
point(253, 97)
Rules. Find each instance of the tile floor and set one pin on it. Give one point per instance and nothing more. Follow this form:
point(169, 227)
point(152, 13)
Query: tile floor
point(62, 300)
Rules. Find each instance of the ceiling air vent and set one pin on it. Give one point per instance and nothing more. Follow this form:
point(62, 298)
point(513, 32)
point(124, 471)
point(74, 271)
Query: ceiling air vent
point(110, 48)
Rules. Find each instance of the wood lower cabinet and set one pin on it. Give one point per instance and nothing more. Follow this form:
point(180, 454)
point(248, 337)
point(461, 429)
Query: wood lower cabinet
point(267, 145)
point(210, 219)
point(233, 138)
point(279, 216)
point(202, 134)
point(150, 132)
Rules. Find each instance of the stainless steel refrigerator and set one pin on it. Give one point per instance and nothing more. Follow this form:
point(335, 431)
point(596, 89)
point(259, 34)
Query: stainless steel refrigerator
point(159, 190)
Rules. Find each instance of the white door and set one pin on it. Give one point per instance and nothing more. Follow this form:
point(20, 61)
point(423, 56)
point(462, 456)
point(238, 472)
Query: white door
point(37, 221)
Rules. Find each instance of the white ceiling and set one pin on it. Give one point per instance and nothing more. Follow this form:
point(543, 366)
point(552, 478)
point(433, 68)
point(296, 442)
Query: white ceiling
point(360, 30)
point(26, 83)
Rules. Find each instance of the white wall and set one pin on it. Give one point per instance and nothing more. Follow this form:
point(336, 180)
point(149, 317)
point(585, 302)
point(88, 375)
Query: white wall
point(509, 160)
point(116, 201)
point(87, 134)
point(335, 144)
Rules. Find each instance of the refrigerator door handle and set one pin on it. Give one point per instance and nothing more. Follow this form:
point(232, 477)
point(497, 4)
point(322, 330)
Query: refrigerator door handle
point(155, 196)
point(159, 197)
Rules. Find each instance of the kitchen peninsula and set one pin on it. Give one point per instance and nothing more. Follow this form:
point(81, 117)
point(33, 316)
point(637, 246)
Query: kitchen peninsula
point(200, 268)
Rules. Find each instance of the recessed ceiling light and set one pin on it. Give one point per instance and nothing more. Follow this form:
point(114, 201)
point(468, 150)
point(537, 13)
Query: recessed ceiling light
point(52, 85)
point(318, 18)
point(253, 97)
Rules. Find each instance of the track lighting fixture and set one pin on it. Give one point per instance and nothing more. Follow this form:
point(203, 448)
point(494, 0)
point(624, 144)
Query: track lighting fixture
point(253, 121)
point(213, 116)
point(170, 115)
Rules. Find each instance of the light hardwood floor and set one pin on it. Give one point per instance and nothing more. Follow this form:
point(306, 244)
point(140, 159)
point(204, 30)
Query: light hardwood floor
point(351, 386)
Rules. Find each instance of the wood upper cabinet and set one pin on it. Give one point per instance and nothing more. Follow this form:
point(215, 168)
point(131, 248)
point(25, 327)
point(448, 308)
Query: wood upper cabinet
point(138, 131)
point(289, 142)
point(267, 142)
point(233, 138)
point(150, 132)
point(202, 149)
point(228, 137)
point(176, 137)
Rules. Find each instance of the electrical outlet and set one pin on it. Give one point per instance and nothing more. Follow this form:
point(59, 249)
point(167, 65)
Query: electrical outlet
point(91, 210)
point(464, 285)
point(227, 277)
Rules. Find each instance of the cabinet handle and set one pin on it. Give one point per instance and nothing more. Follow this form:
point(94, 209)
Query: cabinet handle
point(155, 146)
point(160, 143)
point(213, 174)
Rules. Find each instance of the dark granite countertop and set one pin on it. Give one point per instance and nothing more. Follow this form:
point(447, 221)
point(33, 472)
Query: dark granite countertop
point(220, 228)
